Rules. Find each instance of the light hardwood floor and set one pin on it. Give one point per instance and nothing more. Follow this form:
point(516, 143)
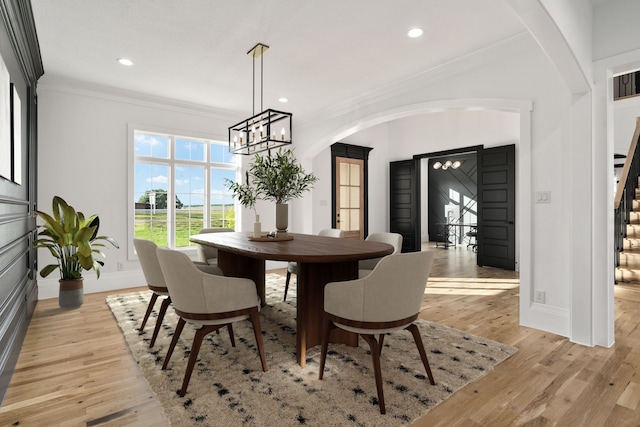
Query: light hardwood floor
point(75, 368)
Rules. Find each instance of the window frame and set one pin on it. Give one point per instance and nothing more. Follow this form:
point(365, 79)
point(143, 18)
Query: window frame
point(172, 162)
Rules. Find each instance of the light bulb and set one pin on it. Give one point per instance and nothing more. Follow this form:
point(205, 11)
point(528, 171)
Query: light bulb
point(415, 32)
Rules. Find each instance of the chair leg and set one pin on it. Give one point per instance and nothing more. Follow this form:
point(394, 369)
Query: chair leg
point(152, 302)
point(193, 356)
point(327, 327)
point(257, 331)
point(375, 355)
point(286, 285)
point(163, 310)
point(230, 329)
point(423, 355)
point(174, 341)
point(380, 343)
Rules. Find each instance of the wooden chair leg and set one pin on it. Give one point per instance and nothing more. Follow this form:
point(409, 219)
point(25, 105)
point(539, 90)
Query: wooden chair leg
point(327, 327)
point(423, 355)
point(152, 302)
point(230, 329)
point(380, 343)
point(193, 356)
point(286, 285)
point(375, 355)
point(163, 310)
point(174, 341)
point(257, 331)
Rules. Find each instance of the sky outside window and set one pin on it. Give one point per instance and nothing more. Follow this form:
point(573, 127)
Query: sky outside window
point(151, 145)
point(188, 149)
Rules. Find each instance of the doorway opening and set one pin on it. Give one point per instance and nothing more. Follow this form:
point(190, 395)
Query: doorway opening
point(449, 200)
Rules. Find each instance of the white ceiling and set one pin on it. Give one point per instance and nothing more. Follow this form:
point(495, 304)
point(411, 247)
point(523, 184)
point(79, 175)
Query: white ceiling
point(322, 52)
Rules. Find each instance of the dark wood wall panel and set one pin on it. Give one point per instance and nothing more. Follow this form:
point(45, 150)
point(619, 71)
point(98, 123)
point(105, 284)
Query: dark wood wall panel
point(404, 187)
point(20, 55)
point(496, 233)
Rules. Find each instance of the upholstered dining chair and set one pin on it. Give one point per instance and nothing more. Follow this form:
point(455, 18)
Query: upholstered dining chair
point(292, 267)
point(384, 301)
point(394, 239)
point(209, 302)
point(146, 251)
point(209, 254)
point(148, 258)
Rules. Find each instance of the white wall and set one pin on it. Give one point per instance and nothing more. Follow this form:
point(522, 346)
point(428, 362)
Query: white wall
point(82, 157)
point(574, 19)
point(625, 113)
point(615, 28)
point(515, 70)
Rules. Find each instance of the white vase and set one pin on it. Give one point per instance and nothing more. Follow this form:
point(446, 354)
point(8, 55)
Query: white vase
point(282, 219)
point(257, 232)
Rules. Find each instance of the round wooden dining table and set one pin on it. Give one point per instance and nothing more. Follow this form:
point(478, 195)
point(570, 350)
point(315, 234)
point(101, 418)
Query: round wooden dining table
point(320, 260)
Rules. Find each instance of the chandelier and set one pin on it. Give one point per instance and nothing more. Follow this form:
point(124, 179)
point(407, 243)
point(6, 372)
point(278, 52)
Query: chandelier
point(263, 131)
point(447, 164)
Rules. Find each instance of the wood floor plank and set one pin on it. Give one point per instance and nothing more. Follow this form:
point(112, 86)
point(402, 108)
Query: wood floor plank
point(76, 369)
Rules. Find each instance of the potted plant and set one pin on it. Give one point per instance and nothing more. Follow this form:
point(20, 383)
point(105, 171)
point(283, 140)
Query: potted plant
point(72, 240)
point(278, 178)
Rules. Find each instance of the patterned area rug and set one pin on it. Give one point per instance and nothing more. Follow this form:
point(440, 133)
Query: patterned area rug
point(228, 387)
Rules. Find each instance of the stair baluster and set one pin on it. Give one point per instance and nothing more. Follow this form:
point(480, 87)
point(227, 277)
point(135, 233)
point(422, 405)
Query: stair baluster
point(625, 195)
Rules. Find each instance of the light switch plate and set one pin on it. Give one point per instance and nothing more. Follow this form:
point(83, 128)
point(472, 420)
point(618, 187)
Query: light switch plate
point(543, 196)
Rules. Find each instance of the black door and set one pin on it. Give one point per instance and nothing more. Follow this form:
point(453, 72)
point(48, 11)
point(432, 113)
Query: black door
point(497, 207)
point(404, 202)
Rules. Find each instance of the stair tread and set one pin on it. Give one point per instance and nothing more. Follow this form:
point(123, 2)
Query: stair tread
point(631, 251)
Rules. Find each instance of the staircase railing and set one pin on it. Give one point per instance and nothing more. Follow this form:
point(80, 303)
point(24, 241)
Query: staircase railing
point(623, 201)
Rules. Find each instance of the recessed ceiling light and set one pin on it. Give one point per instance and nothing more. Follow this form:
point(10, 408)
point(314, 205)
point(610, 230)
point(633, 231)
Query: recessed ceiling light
point(283, 99)
point(125, 61)
point(415, 32)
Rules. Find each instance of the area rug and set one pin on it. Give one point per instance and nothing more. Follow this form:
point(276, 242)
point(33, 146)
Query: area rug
point(228, 387)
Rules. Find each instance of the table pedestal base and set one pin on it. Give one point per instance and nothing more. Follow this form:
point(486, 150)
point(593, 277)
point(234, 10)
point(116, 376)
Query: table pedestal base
point(311, 279)
point(310, 295)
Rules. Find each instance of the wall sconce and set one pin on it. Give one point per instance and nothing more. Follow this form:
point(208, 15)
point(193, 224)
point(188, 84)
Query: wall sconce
point(448, 164)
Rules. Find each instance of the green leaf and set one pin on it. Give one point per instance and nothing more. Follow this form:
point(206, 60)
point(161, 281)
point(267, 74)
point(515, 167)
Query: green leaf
point(68, 236)
point(48, 270)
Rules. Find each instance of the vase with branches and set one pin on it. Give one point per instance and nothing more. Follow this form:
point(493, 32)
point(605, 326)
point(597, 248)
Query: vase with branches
point(278, 178)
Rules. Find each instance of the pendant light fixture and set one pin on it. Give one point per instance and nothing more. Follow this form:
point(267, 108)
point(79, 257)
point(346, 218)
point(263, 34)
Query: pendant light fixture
point(447, 164)
point(263, 131)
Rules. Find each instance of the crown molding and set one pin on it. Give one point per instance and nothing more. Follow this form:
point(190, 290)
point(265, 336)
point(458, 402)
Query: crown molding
point(414, 83)
point(78, 87)
point(17, 17)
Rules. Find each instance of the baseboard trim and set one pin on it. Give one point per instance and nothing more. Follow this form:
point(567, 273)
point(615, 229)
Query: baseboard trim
point(547, 318)
point(48, 288)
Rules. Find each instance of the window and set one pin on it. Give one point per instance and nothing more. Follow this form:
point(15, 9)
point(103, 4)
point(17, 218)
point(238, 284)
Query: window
point(178, 187)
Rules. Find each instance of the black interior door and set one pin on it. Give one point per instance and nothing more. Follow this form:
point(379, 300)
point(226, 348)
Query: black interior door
point(404, 202)
point(497, 207)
